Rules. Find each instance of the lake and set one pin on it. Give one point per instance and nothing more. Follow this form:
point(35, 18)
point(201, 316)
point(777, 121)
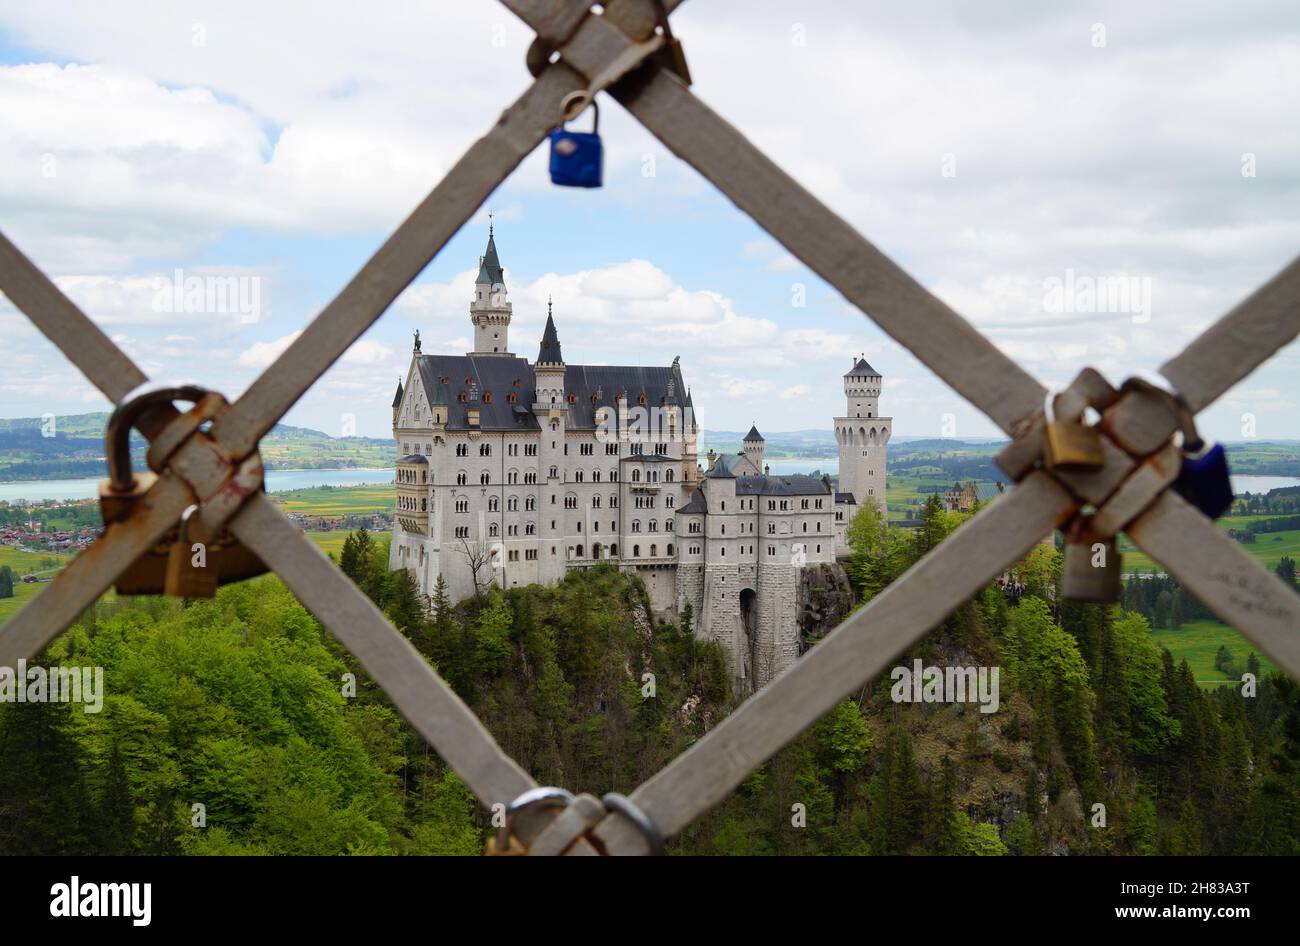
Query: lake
point(276, 480)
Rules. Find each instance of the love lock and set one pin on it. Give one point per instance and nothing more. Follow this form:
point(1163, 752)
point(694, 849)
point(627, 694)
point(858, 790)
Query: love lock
point(1069, 443)
point(1092, 565)
point(1204, 479)
point(183, 563)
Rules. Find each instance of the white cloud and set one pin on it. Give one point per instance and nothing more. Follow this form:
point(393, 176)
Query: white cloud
point(262, 354)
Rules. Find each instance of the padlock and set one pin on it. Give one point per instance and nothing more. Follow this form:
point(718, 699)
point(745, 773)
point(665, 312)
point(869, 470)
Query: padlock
point(192, 561)
point(121, 494)
point(1204, 480)
point(673, 55)
point(1069, 444)
point(1092, 565)
point(577, 158)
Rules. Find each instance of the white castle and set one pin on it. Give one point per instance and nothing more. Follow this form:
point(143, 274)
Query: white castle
point(512, 473)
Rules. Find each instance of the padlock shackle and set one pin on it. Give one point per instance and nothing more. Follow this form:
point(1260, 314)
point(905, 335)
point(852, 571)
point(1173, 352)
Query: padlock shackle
point(575, 103)
point(117, 444)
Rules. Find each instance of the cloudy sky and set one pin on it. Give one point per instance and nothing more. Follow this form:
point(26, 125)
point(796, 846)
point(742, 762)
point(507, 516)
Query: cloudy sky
point(1005, 154)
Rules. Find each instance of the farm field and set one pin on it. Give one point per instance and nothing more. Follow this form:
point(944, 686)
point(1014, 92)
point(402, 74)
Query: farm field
point(1198, 641)
point(337, 500)
point(24, 563)
point(1268, 547)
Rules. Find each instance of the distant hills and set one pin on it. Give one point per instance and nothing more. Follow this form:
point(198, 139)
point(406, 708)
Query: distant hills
point(77, 450)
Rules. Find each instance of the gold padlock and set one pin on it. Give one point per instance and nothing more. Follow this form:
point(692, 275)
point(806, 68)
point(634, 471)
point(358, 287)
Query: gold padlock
point(1092, 565)
point(192, 561)
point(1069, 444)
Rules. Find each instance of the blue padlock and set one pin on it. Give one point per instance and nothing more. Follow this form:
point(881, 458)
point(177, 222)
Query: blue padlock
point(577, 157)
point(1204, 480)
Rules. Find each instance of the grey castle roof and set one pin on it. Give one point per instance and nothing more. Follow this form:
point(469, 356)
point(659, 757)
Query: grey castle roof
point(846, 498)
point(397, 398)
point(414, 458)
point(495, 377)
point(862, 368)
point(489, 268)
point(797, 484)
point(753, 435)
point(696, 505)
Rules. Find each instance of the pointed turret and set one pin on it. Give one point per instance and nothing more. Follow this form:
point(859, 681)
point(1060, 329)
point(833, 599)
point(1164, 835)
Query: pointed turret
point(549, 352)
point(490, 310)
point(752, 448)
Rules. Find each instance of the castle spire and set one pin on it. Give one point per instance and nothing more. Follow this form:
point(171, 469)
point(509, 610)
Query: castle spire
point(549, 352)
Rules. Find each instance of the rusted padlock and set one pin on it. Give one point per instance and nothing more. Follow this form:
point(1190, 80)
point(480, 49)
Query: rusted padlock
point(192, 561)
point(1092, 565)
point(122, 494)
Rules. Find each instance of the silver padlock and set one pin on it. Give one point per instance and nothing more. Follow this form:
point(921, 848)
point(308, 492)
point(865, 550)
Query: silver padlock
point(1092, 565)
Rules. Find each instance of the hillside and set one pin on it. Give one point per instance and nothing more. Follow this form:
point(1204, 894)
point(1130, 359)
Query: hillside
point(76, 448)
point(235, 704)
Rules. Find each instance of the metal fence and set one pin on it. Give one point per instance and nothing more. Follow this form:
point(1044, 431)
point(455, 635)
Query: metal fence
point(616, 49)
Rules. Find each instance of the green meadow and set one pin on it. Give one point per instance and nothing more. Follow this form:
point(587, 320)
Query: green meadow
point(1198, 642)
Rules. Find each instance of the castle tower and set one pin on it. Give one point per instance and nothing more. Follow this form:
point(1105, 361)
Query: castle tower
point(490, 310)
point(753, 448)
point(862, 435)
point(552, 410)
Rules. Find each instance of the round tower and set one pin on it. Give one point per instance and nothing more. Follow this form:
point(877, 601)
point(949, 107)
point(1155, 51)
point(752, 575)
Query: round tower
point(862, 435)
point(490, 309)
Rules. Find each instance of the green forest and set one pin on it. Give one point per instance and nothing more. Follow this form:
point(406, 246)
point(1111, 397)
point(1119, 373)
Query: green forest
point(228, 727)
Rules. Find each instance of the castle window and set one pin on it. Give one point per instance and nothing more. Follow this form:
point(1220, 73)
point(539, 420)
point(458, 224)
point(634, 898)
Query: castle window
point(461, 479)
point(493, 529)
point(573, 399)
point(669, 502)
point(613, 500)
point(595, 476)
point(636, 525)
point(653, 526)
point(493, 504)
point(530, 529)
point(669, 476)
point(668, 525)
point(724, 505)
point(462, 397)
point(636, 551)
point(487, 395)
point(484, 478)
point(512, 503)
point(577, 476)
point(723, 551)
point(462, 505)
point(595, 502)
point(670, 548)
point(485, 449)
point(511, 398)
point(641, 399)
point(530, 503)
point(654, 550)
point(636, 476)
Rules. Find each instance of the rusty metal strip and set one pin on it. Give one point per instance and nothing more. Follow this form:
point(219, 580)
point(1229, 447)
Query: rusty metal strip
point(1223, 576)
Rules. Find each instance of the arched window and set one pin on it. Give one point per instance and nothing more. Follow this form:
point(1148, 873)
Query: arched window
point(493, 529)
point(493, 504)
point(654, 550)
point(669, 476)
point(484, 478)
point(636, 476)
point(636, 525)
point(462, 478)
point(636, 551)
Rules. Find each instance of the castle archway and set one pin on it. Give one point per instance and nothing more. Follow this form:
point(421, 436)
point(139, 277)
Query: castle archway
point(749, 623)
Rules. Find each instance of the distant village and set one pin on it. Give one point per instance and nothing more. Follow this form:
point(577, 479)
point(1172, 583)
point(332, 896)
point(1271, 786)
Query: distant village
point(24, 525)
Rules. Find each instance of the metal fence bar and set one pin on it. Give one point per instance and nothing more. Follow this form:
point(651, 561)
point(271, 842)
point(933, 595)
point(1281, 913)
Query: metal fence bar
point(405, 253)
point(436, 712)
point(853, 654)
